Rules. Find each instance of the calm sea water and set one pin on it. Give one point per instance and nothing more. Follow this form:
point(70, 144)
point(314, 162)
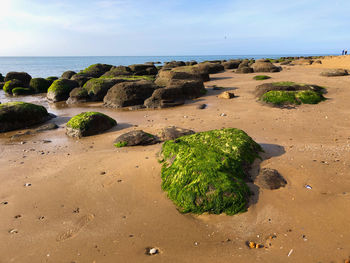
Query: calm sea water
point(55, 66)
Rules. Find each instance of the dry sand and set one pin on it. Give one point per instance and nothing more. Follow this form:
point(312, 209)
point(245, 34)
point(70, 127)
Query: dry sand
point(334, 62)
point(90, 202)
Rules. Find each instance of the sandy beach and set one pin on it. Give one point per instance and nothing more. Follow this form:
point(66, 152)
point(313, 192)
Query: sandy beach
point(87, 201)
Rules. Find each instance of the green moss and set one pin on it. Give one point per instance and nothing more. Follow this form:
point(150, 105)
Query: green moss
point(62, 86)
point(278, 97)
point(292, 97)
point(309, 97)
point(11, 84)
point(21, 91)
point(205, 172)
point(286, 83)
point(82, 120)
point(52, 78)
point(261, 77)
point(120, 144)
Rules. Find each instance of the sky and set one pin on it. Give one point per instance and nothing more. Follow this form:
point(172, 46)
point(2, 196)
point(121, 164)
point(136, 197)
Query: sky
point(173, 27)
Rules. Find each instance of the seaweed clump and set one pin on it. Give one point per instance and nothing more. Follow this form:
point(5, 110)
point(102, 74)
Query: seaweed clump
point(206, 172)
point(261, 77)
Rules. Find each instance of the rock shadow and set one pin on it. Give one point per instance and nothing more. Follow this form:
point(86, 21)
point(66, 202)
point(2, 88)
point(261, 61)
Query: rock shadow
point(270, 151)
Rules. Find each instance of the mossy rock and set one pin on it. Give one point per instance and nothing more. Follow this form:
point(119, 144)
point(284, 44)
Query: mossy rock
point(134, 138)
point(12, 84)
point(78, 95)
point(118, 71)
point(89, 123)
point(206, 172)
point(21, 76)
point(39, 85)
point(18, 115)
point(281, 98)
point(60, 89)
point(21, 91)
point(287, 86)
point(261, 77)
point(2, 78)
point(68, 74)
point(96, 70)
point(97, 88)
point(51, 79)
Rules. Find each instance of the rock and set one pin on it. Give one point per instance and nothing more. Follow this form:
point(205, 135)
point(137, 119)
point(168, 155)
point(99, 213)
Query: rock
point(60, 89)
point(285, 86)
point(211, 68)
point(164, 77)
point(68, 74)
point(12, 84)
point(302, 62)
point(78, 95)
point(118, 71)
point(265, 66)
point(175, 93)
point(89, 123)
point(98, 88)
point(129, 94)
point(134, 138)
point(40, 85)
point(205, 172)
point(284, 63)
point(172, 132)
point(143, 69)
point(51, 79)
point(46, 127)
point(18, 115)
point(270, 179)
point(173, 64)
point(191, 63)
point(2, 79)
point(334, 73)
point(226, 95)
point(231, 64)
point(317, 62)
point(21, 91)
point(244, 70)
point(21, 76)
point(81, 78)
point(201, 106)
point(96, 70)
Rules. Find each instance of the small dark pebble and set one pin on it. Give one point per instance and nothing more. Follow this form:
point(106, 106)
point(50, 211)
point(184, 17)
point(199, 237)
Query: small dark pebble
point(102, 173)
point(202, 106)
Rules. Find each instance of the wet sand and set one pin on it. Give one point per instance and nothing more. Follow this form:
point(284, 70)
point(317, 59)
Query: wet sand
point(91, 202)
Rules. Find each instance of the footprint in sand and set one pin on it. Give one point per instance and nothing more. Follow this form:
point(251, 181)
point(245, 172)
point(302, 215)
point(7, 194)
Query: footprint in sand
point(72, 232)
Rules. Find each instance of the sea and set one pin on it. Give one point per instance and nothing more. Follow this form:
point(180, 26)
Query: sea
point(55, 66)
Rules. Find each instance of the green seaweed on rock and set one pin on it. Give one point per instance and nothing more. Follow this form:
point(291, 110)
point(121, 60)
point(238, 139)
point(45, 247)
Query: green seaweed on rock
point(206, 172)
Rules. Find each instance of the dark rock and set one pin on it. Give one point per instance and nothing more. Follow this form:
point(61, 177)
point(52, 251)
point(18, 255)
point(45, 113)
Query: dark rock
point(231, 64)
point(201, 106)
point(129, 94)
point(96, 70)
point(172, 132)
point(211, 68)
point(81, 78)
point(244, 70)
point(12, 84)
point(18, 115)
point(21, 76)
point(118, 71)
point(334, 73)
point(173, 64)
point(265, 66)
point(166, 97)
point(68, 74)
point(40, 85)
point(134, 138)
point(46, 127)
point(270, 179)
point(78, 95)
point(89, 123)
point(98, 88)
point(60, 89)
point(143, 69)
point(191, 63)
point(164, 77)
point(2, 79)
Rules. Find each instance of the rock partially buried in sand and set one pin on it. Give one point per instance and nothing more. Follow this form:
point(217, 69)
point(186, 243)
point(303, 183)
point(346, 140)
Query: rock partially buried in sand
point(270, 179)
point(289, 93)
point(89, 123)
point(226, 95)
point(134, 138)
point(205, 172)
point(19, 115)
point(265, 66)
point(172, 132)
point(334, 73)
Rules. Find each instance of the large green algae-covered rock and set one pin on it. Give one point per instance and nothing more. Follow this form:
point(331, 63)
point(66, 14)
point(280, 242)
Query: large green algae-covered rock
point(206, 172)
point(89, 123)
point(287, 93)
point(12, 84)
point(97, 70)
point(60, 89)
point(21, 76)
point(18, 115)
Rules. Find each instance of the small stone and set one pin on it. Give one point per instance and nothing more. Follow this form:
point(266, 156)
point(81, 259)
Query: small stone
point(17, 216)
point(153, 251)
point(252, 244)
point(27, 184)
point(102, 173)
point(13, 231)
point(259, 246)
point(223, 114)
point(202, 106)
point(226, 95)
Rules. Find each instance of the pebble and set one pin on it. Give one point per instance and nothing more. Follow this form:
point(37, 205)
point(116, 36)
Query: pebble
point(27, 184)
point(13, 231)
point(223, 114)
point(153, 251)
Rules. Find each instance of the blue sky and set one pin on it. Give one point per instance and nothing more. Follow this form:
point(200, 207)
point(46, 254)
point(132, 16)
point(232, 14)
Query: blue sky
point(173, 27)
